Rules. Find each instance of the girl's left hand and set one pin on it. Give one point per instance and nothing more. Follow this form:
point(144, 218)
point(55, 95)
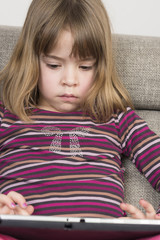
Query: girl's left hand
point(135, 213)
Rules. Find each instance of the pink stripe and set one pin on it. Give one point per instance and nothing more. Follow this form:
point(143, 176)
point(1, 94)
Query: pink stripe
point(72, 210)
point(139, 138)
point(127, 119)
point(99, 144)
point(144, 156)
point(154, 184)
point(155, 175)
point(76, 204)
point(100, 165)
point(134, 135)
point(83, 182)
point(64, 188)
point(154, 167)
point(58, 172)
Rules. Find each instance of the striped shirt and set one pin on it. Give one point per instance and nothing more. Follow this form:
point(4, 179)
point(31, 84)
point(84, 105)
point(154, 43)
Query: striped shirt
point(66, 164)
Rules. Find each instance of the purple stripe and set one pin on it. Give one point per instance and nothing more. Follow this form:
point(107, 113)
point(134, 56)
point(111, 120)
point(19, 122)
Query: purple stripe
point(72, 210)
point(147, 159)
point(88, 141)
point(155, 175)
point(108, 183)
point(127, 119)
point(139, 138)
point(65, 188)
point(58, 172)
point(45, 155)
point(50, 174)
point(96, 143)
point(95, 203)
point(136, 136)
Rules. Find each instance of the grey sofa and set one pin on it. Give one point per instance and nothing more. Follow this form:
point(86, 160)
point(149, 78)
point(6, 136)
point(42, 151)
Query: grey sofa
point(138, 64)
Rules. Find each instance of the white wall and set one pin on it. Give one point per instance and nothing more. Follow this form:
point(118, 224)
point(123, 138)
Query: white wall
point(139, 17)
point(13, 12)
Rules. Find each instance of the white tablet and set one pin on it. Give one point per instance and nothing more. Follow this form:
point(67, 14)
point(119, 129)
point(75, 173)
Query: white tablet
point(69, 228)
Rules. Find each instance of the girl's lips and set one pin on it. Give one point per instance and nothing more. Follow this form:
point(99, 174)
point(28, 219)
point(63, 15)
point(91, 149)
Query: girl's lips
point(68, 97)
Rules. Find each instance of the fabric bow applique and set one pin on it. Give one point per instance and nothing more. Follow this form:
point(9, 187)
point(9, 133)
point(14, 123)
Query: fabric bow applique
point(55, 145)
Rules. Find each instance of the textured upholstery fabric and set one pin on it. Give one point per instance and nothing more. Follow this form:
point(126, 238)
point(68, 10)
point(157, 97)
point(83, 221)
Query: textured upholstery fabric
point(138, 65)
point(8, 38)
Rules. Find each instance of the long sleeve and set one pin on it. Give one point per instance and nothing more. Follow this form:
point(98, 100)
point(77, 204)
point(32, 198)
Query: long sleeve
point(1, 111)
point(140, 144)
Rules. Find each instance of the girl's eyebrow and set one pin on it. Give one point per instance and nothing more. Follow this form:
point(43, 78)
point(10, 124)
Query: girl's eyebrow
point(61, 59)
point(53, 57)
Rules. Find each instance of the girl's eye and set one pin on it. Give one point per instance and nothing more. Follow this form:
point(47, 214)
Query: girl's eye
point(53, 66)
point(86, 67)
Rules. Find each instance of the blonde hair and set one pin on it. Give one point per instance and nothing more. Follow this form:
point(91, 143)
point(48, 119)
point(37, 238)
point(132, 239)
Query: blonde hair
point(89, 23)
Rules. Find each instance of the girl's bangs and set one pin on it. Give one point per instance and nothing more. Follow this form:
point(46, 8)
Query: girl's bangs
point(80, 20)
point(84, 45)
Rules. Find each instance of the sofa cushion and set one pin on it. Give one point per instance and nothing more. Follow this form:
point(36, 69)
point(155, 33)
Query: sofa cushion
point(138, 64)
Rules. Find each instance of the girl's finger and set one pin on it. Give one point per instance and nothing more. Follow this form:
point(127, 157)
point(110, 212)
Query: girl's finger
point(132, 210)
point(17, 198)
point(14, 203)
point(150, 212)
point(30, 209)
point(27, 211)
point(6, 210)
point(5, 200)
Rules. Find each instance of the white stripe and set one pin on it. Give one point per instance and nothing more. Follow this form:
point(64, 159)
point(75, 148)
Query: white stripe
point(22, 135)
point(132, 131)
point(106, 178)
point(145, 148)
point(75, 122)
point(58, 162)
point(73, 198)
point(152, 169)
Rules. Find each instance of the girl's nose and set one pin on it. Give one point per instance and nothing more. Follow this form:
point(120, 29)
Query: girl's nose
point(70, 77)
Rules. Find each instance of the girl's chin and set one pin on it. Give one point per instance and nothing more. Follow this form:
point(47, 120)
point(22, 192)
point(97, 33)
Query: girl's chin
point(63, 108)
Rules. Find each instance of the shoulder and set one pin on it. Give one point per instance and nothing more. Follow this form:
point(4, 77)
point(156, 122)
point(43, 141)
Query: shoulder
point(128, 114)
point(6, 114)
point(128, 118)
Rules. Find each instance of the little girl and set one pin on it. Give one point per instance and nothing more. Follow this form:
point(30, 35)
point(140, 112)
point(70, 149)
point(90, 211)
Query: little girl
point(66, 119)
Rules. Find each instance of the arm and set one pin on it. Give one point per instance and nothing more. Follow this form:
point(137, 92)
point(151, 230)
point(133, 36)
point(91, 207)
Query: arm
point(15, 204)
point(143, 147)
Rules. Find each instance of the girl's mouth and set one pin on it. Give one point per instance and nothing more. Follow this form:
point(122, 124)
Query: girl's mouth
point(68, 97)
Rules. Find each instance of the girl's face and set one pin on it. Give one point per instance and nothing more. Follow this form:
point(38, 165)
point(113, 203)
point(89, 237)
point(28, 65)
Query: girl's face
point(64, 80)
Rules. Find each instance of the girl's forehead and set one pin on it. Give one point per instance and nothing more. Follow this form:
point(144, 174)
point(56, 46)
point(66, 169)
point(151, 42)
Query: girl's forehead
point(66, 45)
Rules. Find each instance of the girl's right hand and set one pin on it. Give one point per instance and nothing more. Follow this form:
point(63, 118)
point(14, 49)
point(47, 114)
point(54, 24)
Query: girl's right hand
point(14, 204)
point(136, 213)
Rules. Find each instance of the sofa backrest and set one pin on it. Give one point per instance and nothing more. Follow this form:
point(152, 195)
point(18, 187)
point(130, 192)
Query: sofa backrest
point(8, 39)
point(138, 64)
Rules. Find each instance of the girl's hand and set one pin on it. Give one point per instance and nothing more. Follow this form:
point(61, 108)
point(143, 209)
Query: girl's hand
point(134, 212)
point(15, 204)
